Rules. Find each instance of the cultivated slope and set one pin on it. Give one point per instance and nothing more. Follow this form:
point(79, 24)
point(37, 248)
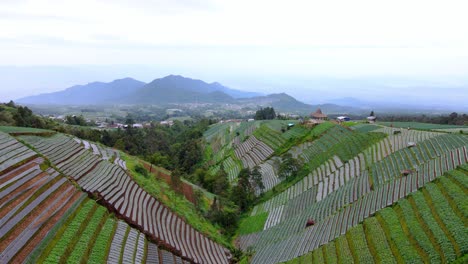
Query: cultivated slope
point(345, 190)
point(46, 218)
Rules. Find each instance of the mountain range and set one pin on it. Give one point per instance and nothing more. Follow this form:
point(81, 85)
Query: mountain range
point(172, 89)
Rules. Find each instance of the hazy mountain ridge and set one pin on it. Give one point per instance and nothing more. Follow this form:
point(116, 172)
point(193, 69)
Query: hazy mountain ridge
point(91, 93)
point(172, 89)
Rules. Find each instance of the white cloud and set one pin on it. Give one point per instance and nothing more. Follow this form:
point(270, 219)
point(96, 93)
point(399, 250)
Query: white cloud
point(341, 38)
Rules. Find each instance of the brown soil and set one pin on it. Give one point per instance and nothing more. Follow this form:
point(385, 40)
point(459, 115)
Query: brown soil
point(69, 157)
point(19, 164)
point(17, 229)
point(23, 186)
point(25, 195)
point(19, 170)
point(37, 238)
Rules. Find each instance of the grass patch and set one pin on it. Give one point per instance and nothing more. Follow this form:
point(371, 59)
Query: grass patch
point(176, 202)
point(252, 224)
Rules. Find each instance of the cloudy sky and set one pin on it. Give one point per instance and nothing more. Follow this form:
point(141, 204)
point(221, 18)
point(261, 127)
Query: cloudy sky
point(261, 45)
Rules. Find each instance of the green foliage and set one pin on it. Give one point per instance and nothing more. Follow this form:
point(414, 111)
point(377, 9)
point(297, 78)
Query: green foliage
point(181, 206)
point(377, 241)
point(243, 194)
point(265, 113)
point(398, 237)
point(420, 126)
point(269, 136)
point(101, 246)
point(417, 231)
point(289, 166)
point(431, 226)
point(342, 247)
point(62, 242)
point(358, 245)
point(256, 177)
point(141, 170)
point(87, 236)
point(329, 252)
point(252, 224)
point(14, 115)
point(76, 120)
point(453, 224)
point(364, 128)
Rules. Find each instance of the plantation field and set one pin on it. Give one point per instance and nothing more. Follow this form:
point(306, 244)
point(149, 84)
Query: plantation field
point(347, 193)
point(364, 194)
point(44, 218)
point(428, 226)
point(30, 130)
point(422, 126)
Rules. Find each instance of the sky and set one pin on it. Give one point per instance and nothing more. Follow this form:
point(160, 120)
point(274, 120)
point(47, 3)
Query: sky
point(265, 45)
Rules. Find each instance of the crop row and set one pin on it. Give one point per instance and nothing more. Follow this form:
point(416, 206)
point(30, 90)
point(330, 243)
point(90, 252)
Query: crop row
point(138, 207)
point(12, 152)
point(31, 201)
point(423, 228)
point(290, 232)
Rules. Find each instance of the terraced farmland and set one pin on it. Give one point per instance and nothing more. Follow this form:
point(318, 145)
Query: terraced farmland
point(118, 191)
point(421, 126)
point(366, 199)
point(428, 226)
point(343, 197)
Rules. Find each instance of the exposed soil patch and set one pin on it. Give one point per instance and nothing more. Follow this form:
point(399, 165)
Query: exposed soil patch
point(7, 176)
point(24, 196)
point(49, 224)
point(19, 228)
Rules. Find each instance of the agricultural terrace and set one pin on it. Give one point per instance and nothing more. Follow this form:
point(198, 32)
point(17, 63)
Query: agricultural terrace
point(89, 234)
point(117, 190)
point(237, 145)
point(428, 226)
point(419, 126)
point(33, 198)
point(340, 195)
point(24, 130)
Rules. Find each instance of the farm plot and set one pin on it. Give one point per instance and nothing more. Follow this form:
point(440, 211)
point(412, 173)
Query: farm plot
point(31, 202)
point(90, 234)
point(252, 152)
point(295, 132)
point(426, 226)
point(269, 136)
point(326, 179)
point(364, 128)
point(112, 184)
point(421, 126)
point(104, 152)
point(332, 174)
point(12, 152)
point(400, 138)
point(408, 159)
point(338, 212)
point(232, 167)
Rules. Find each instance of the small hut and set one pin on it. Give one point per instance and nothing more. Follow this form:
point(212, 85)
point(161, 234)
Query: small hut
point(318, 115)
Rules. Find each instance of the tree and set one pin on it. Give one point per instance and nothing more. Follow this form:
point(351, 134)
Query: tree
point(176, 181)
point(256, 178)
point(289, 166)
point(243, 194)
point(265, 113)
point(221, 183)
